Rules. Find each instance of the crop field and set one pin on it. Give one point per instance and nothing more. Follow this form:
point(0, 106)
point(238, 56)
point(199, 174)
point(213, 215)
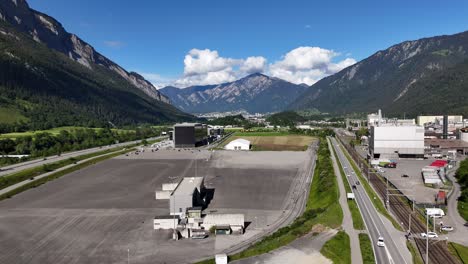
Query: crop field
point(276, 143)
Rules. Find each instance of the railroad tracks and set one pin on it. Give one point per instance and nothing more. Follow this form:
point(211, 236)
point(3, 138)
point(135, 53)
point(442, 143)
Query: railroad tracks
point(438, 253)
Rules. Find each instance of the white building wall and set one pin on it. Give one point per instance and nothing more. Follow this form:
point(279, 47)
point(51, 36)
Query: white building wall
point(162, 195)
point(165, 223)
point(169, 186)
point(178, 204)
point(401, 139)
point(464, 136)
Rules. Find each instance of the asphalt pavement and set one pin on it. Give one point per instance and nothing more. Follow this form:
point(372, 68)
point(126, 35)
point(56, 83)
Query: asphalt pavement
point(38, 162)
point(375, 226)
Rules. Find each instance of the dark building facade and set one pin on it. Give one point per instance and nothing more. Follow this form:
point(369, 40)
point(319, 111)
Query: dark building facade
point(189, 135)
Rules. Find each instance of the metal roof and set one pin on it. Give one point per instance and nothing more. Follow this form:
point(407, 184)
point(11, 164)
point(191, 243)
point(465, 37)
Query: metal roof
point(188, 185)
point(187, 124)
point(240, 141)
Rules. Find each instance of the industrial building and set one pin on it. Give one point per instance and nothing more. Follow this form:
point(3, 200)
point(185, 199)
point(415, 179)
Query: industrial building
point(390, 141)
point(438, 119)
point(238, 144)
point(190, 192)
point(224, 223)
point(190, 135)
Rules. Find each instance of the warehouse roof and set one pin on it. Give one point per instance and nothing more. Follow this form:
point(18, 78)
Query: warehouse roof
point(240, 141)
point(187, 124)
point(188, 185)
point(224, 219)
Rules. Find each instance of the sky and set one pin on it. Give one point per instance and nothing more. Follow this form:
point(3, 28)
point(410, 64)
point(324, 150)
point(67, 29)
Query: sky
point(190, 42)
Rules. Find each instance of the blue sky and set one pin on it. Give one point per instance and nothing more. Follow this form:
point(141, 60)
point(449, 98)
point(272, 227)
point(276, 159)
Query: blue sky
point(218, 37)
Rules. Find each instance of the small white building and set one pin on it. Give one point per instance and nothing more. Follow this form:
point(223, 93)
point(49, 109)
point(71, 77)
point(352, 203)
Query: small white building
point(238, 144)
point(221, 259)
point(236, 222)
point(166, 222)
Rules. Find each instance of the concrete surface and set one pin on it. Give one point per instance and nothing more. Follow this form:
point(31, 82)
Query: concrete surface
point(304, 250)
point(98, 213)
point(347, 224)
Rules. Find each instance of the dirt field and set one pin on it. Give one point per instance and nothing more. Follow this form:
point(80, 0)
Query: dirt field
point(277, 143)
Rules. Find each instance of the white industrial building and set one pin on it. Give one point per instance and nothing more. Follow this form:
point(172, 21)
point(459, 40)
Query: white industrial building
point(188, 193)
point(452, 119)
point(395, 138)
point(166, 222)
point(233, 222)
point(238, 144)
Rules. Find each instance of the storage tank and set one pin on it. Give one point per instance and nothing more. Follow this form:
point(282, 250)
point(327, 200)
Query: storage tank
point(464, 134)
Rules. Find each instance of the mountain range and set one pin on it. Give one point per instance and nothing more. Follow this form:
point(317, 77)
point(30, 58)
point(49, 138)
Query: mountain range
point(49, 77)
point(425, 76)
point(256, 93)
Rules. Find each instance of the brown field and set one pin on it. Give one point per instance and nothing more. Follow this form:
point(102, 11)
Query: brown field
point(277, 143)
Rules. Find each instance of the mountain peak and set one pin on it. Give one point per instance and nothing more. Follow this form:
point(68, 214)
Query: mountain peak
point(45, 29)
point(255, 93)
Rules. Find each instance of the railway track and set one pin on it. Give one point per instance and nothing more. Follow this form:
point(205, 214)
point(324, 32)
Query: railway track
point(400, 207)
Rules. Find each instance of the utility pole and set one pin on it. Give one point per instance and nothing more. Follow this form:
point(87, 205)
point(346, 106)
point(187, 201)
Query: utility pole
point(427, 239)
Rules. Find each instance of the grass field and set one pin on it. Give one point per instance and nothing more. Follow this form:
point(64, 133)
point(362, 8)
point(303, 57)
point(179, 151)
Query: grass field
point(274, 141)
point(460, 251)
point(338, 249)
point(10, 115)
point(53, 131)
point(463, 209)
point(366, 249)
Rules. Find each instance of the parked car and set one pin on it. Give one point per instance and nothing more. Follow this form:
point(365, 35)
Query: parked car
point(354, 186)
point(358, 183)
point(405, 176)
point(380, 242)
point(446, 228)
point(430, 235)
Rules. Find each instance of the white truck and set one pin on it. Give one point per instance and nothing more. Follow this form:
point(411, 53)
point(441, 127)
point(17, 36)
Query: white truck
point(435, 212)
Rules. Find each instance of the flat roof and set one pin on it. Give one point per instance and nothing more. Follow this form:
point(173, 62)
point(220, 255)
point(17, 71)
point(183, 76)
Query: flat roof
point(446, 143)
point(188, 185)
point(187, 124)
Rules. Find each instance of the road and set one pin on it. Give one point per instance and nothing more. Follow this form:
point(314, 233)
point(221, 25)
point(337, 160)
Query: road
point(374, 224)
point(356, 256)
point(461, 232)
point(38, 162)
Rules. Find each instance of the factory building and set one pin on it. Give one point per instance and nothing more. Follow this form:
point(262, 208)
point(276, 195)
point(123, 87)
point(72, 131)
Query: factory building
point(238, 144)
point(452, 119)
point(394, 138)
point(189, 135)
point(190, 192)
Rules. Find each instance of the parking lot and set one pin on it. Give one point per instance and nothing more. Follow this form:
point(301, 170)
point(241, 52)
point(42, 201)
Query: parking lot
point(102, 212)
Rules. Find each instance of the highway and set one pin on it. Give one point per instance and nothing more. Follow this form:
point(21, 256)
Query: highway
point(374, 224)
point(38, 162)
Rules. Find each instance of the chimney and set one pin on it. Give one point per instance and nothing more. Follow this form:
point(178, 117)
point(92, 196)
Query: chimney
point(445, 130)
point(380, 117)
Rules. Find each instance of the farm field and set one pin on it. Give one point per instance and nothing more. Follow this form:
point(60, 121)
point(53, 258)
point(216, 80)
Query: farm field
point(272, 142)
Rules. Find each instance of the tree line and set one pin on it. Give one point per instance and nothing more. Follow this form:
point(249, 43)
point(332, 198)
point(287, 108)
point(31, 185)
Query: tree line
point(45, 144)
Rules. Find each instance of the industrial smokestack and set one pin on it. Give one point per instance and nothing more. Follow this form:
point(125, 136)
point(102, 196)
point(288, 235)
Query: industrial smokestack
point(380, 117)
point(445, 130)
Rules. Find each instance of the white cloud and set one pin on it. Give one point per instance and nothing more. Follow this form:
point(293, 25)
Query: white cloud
point(300, 65)
point(114, 44)
point(253, 65)
point(202, 67)
point(308, 65)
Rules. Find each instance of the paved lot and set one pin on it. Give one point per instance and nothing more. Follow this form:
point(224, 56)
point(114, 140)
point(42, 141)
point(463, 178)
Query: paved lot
point(96, 214)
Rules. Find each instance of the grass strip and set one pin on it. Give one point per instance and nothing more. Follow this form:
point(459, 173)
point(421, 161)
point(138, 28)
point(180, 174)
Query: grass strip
point(53, 176)
point(366, 249)
point(322, 208)
point(460, 251)
point(378, 204)
point(358, 222)
point(338, 249)
point(417, 259)
point(463, 209)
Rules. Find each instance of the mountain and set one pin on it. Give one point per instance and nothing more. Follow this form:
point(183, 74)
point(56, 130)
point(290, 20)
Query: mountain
point(398, 80)
point(256, 93)
point(47, 30)
point(49, 77)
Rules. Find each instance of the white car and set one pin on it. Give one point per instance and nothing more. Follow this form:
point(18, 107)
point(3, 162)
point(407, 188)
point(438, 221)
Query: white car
point(446, 228)
point(430, 235)
point(380, 242)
